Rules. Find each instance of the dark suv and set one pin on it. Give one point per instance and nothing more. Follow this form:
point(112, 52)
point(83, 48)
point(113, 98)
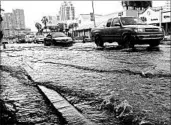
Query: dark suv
point(127, 31)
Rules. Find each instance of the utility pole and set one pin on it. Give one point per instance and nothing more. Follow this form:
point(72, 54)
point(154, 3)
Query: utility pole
point(93, 13)
point(160, 22)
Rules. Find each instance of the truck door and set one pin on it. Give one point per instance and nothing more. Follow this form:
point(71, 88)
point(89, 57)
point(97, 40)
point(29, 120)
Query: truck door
point(106, 31)
point(115, 29)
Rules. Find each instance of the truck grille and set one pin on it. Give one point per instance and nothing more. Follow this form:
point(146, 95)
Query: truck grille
point(151, 29)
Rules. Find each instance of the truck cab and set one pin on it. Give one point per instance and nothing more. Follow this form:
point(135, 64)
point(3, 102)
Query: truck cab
point(127, 31)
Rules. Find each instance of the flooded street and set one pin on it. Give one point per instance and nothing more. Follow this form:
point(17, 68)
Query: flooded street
point(86, 76)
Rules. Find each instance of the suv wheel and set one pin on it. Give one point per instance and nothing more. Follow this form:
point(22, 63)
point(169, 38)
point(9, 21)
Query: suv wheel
point(99, 41)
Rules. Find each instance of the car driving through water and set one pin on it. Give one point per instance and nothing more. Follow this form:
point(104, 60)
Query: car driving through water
point(127, 31)
point(57, 38)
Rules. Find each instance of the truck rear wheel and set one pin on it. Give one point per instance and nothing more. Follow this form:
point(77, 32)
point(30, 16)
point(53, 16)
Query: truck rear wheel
point(47, 43)
point(99, 41)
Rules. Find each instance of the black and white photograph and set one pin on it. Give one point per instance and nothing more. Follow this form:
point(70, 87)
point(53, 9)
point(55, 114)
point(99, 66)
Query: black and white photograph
point(86, 62)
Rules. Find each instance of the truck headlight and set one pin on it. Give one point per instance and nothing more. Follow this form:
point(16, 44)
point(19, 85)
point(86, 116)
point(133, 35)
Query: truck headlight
point(69, 39)
point(66, 40)
point(139, 30)
point(160, 29)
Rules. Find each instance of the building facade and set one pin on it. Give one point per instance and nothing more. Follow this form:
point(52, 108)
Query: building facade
point(158, 18)
point(58, 17)
point(8, 24)
point(52, 20)
point(19, 18)
point(67, 11)
point(152, 15)
point(13, 23)
point(167, 5)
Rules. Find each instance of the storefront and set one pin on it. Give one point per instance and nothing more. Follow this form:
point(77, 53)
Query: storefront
point(166, 22)
point(157, 18)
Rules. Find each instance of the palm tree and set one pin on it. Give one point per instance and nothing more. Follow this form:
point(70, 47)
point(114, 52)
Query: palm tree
point(75, 25)
point(125, 4)
point(72, 26)
point(62, 26)
point(44, 21)
point(39, 27)
point(137, 4)
point(53, 28)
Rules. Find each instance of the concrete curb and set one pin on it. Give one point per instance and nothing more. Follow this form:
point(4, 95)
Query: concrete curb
point(67, 111)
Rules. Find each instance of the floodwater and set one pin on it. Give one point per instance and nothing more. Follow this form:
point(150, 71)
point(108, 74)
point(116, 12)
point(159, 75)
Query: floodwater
point(86, 76)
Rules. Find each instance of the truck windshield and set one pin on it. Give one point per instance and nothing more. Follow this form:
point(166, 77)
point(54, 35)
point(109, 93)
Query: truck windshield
point(131, 21)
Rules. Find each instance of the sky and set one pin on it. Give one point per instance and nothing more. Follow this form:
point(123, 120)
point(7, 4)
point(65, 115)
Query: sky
point(35, 10)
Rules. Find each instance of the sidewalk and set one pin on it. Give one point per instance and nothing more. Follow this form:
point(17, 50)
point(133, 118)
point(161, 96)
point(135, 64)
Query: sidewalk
point(25, 102)
point(22, 100)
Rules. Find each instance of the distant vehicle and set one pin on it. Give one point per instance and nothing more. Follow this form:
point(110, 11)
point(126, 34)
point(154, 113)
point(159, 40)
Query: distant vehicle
point(21, 38)
point(39, 39)
point(57, 38)
point(86, 39)
point(29, 38)
point(127, 31)
point(4, 41)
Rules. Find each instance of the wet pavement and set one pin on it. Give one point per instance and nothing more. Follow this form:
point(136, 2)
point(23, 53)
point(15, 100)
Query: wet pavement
point(23, 98)
point(68, 111)
point(86, 76)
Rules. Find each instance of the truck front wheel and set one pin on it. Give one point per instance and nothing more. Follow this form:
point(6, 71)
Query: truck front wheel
point(99, 41)
point(155, 43)
point(127, 41)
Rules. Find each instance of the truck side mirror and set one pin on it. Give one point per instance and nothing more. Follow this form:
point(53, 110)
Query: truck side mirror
point(108, 24)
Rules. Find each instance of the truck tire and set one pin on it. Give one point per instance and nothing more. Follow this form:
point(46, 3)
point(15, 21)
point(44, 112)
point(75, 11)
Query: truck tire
point(127, 41)
point(155, 43)
point(99, 41)
point(47, 43)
